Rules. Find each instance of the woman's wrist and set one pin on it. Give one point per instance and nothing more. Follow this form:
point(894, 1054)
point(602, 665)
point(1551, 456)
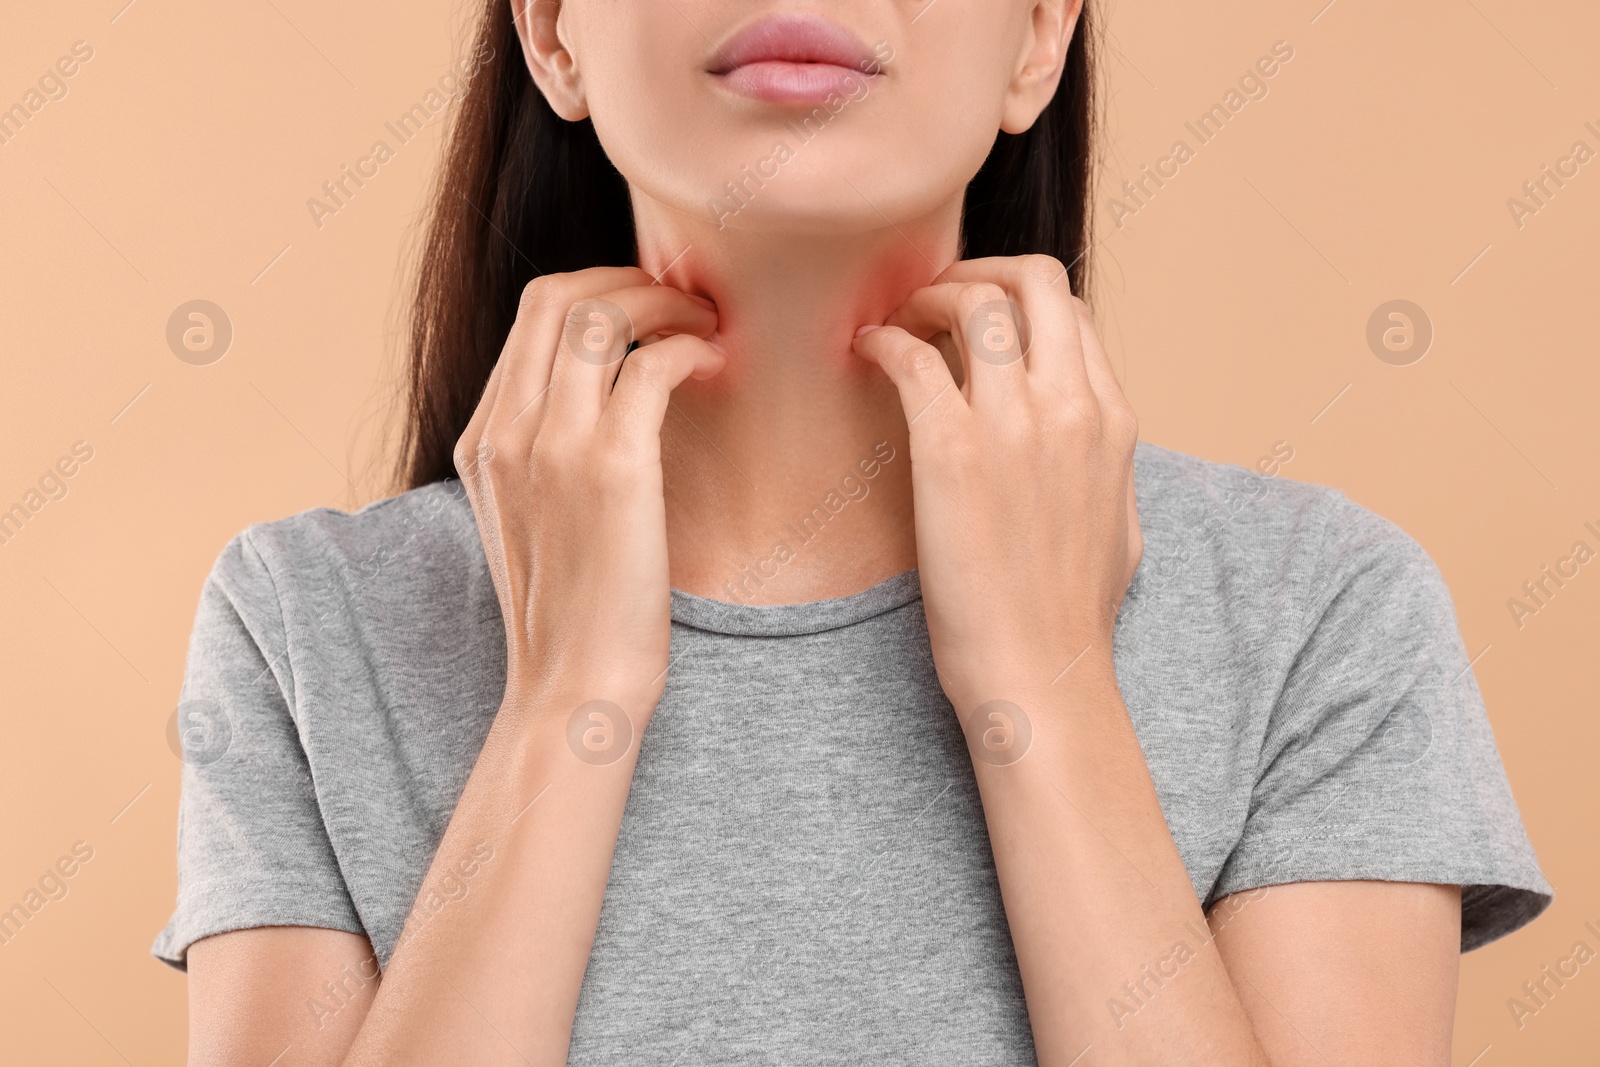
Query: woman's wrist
point(1041, 677)
point(597, 719)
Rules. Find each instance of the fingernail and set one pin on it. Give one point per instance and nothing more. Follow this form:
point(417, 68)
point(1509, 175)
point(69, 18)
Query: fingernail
point(865, 330)
point(702, 301)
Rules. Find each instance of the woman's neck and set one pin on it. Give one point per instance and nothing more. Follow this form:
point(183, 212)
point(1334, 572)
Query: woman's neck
point(777, 486)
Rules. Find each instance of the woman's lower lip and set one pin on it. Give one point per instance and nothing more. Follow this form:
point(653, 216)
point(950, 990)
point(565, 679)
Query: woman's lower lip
point(794, 83)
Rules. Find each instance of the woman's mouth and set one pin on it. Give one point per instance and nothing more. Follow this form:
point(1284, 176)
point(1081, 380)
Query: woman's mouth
point(794, 60)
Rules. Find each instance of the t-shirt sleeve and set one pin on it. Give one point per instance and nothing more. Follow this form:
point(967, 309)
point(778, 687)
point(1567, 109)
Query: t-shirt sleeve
point(1378, 761)
point(252, 846)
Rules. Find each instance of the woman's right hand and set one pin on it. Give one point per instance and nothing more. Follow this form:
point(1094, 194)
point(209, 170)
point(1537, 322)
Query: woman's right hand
point(562, 464)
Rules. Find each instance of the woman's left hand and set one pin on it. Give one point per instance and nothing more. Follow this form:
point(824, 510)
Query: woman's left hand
point(1026, 522)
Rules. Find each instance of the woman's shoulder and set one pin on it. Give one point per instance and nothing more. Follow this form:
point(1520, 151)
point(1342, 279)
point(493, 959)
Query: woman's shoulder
point(1331, 628)
point(434, 519)
point(1260, 518)
point(315, 566)
point(1175, 487)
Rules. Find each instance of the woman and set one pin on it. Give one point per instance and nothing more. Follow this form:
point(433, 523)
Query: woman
point(808, 664)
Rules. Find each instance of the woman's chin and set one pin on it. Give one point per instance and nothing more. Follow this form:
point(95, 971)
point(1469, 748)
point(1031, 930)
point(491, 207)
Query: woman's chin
point(808, 209)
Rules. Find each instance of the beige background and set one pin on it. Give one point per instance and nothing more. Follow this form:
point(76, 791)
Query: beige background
point(1235, 302)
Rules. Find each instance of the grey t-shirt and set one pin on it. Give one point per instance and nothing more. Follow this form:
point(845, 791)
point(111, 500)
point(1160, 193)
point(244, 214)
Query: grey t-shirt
point(803, 870)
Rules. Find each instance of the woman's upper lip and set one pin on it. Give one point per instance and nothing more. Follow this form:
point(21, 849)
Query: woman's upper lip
point(792, 39)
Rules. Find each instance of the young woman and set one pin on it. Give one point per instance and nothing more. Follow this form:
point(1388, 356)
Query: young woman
point(807, 665)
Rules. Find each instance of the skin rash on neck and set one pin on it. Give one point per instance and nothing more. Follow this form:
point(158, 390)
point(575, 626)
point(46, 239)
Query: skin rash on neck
point(748, 450)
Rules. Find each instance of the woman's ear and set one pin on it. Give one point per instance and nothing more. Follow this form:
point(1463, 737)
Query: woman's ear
point(1039, 67)
point(554, 69)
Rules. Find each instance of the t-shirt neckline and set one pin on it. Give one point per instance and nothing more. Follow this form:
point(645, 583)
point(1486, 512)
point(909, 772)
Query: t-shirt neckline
point(791, 620)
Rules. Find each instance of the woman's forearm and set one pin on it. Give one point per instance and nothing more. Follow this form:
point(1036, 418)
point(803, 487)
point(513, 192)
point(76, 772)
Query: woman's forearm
point(492, 976)
point(561, 462)
point(1111, 943)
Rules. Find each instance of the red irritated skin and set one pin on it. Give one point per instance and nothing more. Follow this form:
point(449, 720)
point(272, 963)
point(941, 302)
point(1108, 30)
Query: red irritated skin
point(796, 174)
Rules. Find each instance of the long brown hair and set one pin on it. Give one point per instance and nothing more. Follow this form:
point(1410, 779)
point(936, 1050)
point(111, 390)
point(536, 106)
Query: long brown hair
point(523, 192)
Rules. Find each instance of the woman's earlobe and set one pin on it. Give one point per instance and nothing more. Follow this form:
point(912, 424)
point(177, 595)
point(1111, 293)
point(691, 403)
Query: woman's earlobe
point(552, 66)
point(563, 89)
point(1030, 94)
point(1038, 75)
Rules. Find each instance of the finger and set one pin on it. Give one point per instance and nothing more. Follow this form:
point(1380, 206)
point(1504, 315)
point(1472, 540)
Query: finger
point(1102, 378)
point(927, 391)
point(468, 454)
point(1118, 422)
point(1040, 284)
point(987, 327)
point(515, 413)
point(638, 405)
point(597, 336)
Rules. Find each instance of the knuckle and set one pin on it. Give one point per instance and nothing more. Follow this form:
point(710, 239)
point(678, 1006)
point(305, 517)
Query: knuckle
point(597, 331)
point(648, 363)
point(1044, 268)
point(922, 359)
point(544, 295)
point(472, 455)
point(1077, 419)
point(974, 296)
point(1119, 411)
point(1027, 430)
point(1125, 424)
point(918, 358)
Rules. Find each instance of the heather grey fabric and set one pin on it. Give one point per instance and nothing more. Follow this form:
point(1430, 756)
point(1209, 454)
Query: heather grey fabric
point(803, 871)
